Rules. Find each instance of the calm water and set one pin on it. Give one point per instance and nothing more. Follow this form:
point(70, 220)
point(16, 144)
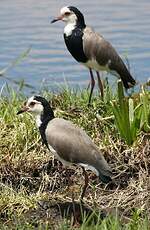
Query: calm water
point(24, 23)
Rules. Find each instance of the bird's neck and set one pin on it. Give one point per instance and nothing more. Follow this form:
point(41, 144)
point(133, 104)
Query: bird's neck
point(38, 120)
point(44, 118)
point(70, 26)
point(42, 122)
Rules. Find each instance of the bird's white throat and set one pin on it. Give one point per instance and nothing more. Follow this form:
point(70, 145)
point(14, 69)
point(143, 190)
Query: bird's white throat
point(38, 120)
point(69, 28)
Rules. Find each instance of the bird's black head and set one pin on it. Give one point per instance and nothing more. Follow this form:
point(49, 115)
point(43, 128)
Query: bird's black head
point(71, 15)
point(43, 101)
point(80, 17)
point(39, 106)
point(47, 110)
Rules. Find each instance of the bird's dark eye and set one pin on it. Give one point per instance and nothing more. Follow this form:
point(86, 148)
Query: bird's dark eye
point(67, 13)
point(32, 103)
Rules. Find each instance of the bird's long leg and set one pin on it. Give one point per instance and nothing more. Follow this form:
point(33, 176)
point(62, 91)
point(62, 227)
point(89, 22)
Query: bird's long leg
point(92, 85)
point(68, 177)
point(100, 84)
point(86, 181)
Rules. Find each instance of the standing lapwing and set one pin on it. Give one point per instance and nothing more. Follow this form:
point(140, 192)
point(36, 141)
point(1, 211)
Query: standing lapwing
point(69, 143)
point(91, 49)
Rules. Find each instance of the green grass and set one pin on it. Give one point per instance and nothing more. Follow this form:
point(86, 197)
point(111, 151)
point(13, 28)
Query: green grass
point(131, 114)
point(32, 183)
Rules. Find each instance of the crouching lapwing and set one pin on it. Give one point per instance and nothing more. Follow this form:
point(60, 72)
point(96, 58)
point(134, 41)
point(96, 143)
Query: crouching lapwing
point(69, 143)
point(91, 49)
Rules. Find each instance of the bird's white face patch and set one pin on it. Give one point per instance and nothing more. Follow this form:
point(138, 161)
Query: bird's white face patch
point(34, 106)
point(69, 18)
point(64, 10)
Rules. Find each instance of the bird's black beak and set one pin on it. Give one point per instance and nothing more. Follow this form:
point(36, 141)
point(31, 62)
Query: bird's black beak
point(56, 19)
point(22, 110)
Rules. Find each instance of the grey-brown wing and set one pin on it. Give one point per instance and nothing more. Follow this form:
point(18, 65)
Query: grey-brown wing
point(96, 47)
point(68, 140)
point(73, 145)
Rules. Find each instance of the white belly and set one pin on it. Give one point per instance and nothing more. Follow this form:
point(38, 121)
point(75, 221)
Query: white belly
point(93, 64)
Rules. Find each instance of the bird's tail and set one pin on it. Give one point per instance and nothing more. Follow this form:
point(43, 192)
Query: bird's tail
point(127, 79)
point(104, 171)
point(105, 178)
point(101, 166)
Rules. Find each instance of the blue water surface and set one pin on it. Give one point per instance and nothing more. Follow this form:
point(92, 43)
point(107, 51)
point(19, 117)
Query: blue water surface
point(25, 23)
